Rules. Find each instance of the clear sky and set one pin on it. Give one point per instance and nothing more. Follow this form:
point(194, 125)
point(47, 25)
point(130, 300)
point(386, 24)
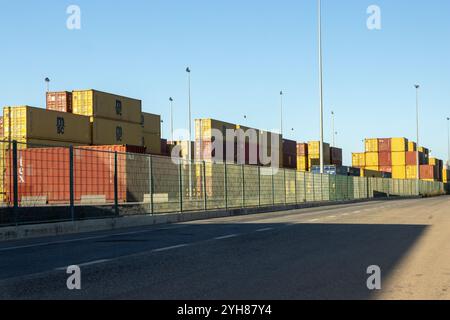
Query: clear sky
point(242, 53)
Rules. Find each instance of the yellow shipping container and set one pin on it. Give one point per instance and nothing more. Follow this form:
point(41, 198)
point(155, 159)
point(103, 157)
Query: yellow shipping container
point(445, 175)
point(110, 132)
point(25, 122)
point(399, 172)
point(302, 163)
point(314, 148)
point(372, 159)
point(152, 142)
point(204, 127)
point(371, 145)
point(411, 172)
point(372, 168)
point(433, 162)
point(412, 146)
point(398, 158)
point(151, 123)
point(359, 160)
point(399, 144)
point(99, 104)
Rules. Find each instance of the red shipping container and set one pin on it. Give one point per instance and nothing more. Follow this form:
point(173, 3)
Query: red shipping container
point(336, 155)
point(411, 158)
point(385, 159)
point(384, 145)
point(427, 172)
point(59, 101)
point(289, 147)
point(386, 169)
point(45, 172)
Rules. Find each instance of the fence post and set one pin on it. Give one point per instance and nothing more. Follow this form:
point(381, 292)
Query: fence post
point(71, 182)
point(285, 187)
point(273, 188)
point(304, 186)
point(259, 186)
point(243, 186)
point(226, 184)
point(152, 185)
point(15, 181)
point(296, 191)
point(116, 185)
point(204, 187)
point(180, 183)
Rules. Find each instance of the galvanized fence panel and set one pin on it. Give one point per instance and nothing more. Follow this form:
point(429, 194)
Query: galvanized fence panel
point(251, 186)
point(291, 186)
point(235, 194)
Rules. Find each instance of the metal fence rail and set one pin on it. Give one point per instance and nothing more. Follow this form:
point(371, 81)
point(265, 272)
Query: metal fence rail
point(74, 182)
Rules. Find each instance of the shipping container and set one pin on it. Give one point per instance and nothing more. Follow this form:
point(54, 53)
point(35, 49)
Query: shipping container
point(359, 160)
point(166, 148)
point(372, 159)
point(385, 159)
point(399, 144)
point(372, 168)
point(433, 162)
point(411, 172)
point(152, 142)
point(399, 172)
point(302, 149)
point(399, 158)
point(59, 101)
point(331, 170)
point(151, 123)
point(1, 127)
point(111, 132)
point(369, 173)
point(384, 145)
point(445, 175)
point(424, 150)
point(25, 122)
point(412, 146)
point(336, 156)
point(44, 173)
point(99, 104)
point(302, 163)
point(427, 172)
point(354, 172)
point(314, 148)
point(371, 145)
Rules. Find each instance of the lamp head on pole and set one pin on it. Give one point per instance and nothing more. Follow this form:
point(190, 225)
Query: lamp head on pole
point(171, 99)
point(281, 93)
point(188, 70)
point(417, 86)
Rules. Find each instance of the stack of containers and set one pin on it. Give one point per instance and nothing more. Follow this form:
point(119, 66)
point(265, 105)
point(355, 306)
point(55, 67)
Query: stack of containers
point(399, 148)
point(372, 156)
point(115, 120)
point(438, 167)
point(359, 160)
point(302, 157)
point(336, 156)
point(314, 153)
point(151, 132)
point(385, 155)
point(445, 174)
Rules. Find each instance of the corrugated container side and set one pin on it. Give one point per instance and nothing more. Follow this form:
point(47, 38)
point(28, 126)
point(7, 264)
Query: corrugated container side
point(385, 159)
point(371, 145)
point(386, 169)
point(384, 145)
point(302, 149)
point(59, 101)
point(412, 146)
point(302, 163)
point(99, 104)
point(151, 123)
point(399, 158)
point(411, 172)
point(399, 144)
point(399, 172)
point(359, 160)
point(427, 172)
point(372, 159)
point(111, 132)
point(25, 122)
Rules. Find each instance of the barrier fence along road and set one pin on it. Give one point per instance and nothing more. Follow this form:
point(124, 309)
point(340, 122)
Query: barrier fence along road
point(74, 183)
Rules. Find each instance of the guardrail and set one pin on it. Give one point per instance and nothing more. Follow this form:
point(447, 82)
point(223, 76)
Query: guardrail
point(74, 183)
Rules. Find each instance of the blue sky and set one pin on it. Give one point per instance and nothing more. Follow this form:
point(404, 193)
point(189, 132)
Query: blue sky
point(242, 53)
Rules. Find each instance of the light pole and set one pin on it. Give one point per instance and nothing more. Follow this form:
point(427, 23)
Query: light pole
point(418, 144)
point(47, 81)
point(171, 117)
point(332, 128)
point(188, 70)
point(320, 84)
point(162, 128)
point(281, 111)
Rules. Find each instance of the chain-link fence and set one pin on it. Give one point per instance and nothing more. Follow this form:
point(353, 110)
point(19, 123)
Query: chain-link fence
point(40, 184)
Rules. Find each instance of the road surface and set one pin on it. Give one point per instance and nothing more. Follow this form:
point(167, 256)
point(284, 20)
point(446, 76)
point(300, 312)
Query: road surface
point(320, 253)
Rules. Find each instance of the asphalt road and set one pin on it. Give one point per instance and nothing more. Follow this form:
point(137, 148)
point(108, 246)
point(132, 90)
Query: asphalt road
point(320, 253)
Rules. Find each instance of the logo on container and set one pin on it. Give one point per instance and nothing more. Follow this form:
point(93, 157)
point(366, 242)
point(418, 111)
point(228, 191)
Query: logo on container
point(60, 125)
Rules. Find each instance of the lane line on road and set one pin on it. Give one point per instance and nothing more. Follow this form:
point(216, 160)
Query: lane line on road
point(264, 229)
point(170, 248)
point(226, 237)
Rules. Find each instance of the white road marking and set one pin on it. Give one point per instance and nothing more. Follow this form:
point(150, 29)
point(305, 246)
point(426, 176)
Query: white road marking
point(313, 220)
point(332, 217)
point(85, 264)
point(170, 248)
point(264, 229)
point(226, 237)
